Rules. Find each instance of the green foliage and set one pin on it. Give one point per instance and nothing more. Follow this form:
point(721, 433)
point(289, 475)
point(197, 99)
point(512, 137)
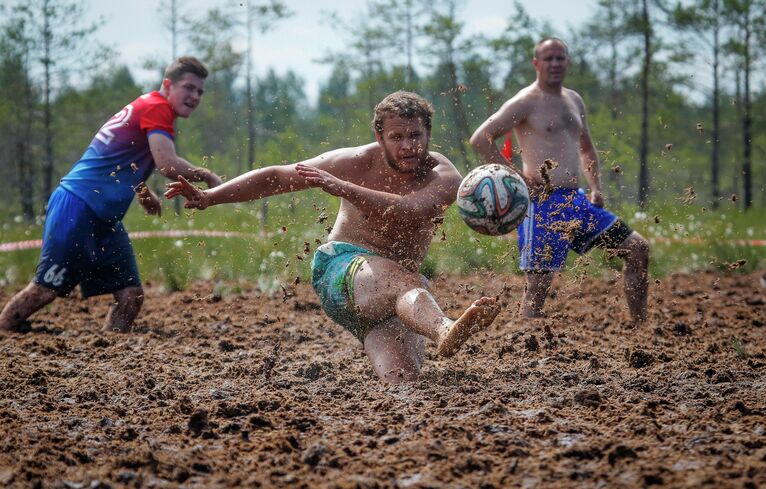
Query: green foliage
point(739, 348)
point(467, 78)
point(275, 255)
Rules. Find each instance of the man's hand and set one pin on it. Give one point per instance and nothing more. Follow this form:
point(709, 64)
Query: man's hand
point(320, 178)
point(195, 196)
point(597, 198)
point(148, 200)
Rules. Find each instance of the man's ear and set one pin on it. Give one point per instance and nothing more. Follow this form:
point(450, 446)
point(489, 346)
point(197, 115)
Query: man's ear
point(379, 138)
point(166, 84)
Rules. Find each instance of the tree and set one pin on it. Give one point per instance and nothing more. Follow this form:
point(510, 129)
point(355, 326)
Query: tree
point(215, 128)
point(645, 27)
point(514, 48)
point(281, 100)
point(365, 53)
point(17, 106)
point(263, 15)
point(59, 41)
point(608, 27)
point(401, 22)
point(512, 53)
point(702, 20)
point(641, 23)
point(748, 20)
point(445, 32)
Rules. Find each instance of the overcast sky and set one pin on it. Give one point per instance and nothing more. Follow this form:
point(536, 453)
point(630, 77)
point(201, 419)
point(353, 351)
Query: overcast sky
point(134, 29)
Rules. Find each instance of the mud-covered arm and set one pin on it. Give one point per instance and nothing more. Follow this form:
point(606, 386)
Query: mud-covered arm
point(260, 183)
point(172, 166)
point(589, 161)
point(417, 206)
point(148, 200)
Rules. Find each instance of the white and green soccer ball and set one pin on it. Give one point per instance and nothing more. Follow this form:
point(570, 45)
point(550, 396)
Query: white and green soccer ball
point(493, 199)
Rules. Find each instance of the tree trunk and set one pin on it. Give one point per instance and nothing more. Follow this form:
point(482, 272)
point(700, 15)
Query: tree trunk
point(613, 94)
point(747, 122)
point(716, 111)
point(47, 117)
point(26, 191)
point(410, 76)
point(263, 211)
point(24, 162)
point(643, 179)
point(461, 124)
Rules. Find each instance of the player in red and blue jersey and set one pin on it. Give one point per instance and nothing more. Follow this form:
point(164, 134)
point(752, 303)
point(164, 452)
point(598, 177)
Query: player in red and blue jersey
point(84, 241)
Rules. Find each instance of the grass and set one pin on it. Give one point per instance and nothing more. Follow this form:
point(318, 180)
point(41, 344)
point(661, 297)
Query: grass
point(274, 255)
point(739, 348)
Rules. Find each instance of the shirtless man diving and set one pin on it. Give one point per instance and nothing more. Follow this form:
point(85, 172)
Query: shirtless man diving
point(392, 192)
point(551, 128)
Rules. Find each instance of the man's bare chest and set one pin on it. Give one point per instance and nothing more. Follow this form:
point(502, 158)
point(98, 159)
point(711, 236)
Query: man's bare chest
point(390, 184)
point(562, 118)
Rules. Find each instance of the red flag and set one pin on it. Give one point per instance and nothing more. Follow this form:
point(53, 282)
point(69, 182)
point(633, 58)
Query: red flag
point(508, 147)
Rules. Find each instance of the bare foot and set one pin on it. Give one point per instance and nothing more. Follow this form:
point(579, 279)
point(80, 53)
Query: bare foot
point(19, 327)
point(532, 314)
point(114, 328)
point(477, 317)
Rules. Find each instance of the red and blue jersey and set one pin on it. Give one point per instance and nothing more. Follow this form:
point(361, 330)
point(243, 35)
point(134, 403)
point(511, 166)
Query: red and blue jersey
point(118, 158)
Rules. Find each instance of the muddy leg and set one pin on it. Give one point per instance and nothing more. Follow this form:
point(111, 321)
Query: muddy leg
point(635, 251)
point(395, 352)
point(22, 305)
point(383, 288)
point(536, 293)
point(127, 303)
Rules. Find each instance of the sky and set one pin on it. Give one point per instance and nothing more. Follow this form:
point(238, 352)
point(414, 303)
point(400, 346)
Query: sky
point(134, 29)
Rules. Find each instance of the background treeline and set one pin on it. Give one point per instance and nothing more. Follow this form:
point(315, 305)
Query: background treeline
point(675, 91)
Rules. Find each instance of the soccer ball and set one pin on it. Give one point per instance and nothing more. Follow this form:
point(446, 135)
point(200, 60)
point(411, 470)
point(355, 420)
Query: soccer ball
point(493, 199)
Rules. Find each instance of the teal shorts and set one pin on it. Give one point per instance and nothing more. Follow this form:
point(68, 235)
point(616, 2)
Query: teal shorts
point(333, 269)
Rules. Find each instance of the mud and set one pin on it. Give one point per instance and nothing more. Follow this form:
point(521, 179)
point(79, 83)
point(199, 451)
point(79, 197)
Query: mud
point(247, 390)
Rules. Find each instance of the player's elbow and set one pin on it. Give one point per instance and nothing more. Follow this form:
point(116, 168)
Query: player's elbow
point(479, 139)
point(167, 167)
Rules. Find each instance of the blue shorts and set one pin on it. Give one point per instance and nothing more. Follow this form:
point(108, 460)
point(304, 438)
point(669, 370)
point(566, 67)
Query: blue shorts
point(333, 269)
point(565, 221)
point(80, 248)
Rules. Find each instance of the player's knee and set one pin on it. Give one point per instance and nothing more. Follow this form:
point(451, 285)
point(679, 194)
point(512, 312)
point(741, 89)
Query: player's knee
point(639, 249)
point(40, 294)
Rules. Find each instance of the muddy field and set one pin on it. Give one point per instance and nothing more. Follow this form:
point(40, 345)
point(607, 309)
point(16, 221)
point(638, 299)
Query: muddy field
point(246, 390)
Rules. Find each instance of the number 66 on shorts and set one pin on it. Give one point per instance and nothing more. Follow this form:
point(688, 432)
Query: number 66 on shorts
point(55, 275)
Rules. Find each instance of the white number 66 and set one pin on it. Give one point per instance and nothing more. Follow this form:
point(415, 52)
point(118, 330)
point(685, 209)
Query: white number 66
point(53, 277)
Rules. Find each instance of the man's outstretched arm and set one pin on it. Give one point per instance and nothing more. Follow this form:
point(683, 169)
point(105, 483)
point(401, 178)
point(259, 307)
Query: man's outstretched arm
point(418, 205)
point(172, 166)
point(261, 183)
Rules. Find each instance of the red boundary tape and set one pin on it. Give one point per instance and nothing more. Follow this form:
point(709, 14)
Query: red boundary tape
point(37, 243)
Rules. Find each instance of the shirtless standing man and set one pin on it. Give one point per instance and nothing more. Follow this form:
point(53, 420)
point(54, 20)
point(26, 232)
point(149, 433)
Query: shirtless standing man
point(552, 130)
point(392, 192)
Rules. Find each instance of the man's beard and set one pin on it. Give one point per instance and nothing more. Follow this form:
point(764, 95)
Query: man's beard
point(394, 164)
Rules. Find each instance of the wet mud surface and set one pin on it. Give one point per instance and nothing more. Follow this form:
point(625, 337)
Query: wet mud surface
point(247, 390)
